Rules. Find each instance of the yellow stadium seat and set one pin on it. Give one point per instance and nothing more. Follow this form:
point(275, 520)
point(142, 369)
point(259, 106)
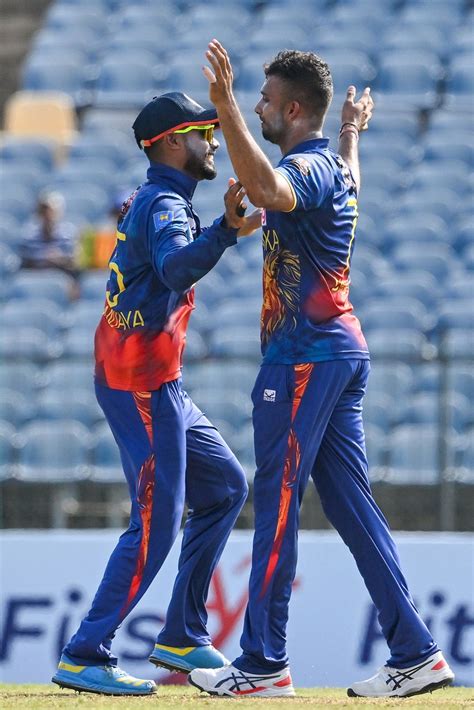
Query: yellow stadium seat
point(41, 114)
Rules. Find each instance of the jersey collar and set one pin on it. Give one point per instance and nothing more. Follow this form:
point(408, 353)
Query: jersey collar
point(308, 145)
point(175, 179)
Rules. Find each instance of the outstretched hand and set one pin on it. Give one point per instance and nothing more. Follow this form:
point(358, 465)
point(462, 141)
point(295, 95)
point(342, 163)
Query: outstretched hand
point(221, 76)
point(357, 112)
point(235, 209)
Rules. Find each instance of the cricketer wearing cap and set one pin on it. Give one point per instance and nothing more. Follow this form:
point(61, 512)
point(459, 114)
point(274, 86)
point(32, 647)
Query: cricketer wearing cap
point(308, 395)
point(170, 452)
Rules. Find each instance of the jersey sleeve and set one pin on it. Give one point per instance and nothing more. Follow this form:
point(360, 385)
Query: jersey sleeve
point(311, 181)
point(179, 260)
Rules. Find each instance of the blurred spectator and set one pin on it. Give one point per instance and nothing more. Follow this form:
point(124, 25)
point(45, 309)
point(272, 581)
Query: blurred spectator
point(48, 241)
point(98, 242)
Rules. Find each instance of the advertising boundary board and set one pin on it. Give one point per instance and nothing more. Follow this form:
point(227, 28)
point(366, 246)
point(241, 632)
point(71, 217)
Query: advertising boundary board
point(48, 579)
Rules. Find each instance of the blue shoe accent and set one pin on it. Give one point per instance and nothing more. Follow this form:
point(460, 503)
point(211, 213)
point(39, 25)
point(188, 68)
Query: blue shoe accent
point(108, 680)
point(187, 659)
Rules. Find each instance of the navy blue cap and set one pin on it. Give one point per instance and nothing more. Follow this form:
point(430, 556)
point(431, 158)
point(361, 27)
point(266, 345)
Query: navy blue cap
point(169, 113)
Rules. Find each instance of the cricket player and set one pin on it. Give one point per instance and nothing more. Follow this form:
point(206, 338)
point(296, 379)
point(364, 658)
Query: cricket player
point(170, 452)
point(308, 395)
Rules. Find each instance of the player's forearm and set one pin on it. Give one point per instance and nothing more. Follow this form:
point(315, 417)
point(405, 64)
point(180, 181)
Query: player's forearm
point(251, 165)
point(349, 152)
point(183, 267)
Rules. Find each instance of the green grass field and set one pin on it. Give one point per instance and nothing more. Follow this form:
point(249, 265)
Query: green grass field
point(46, 697)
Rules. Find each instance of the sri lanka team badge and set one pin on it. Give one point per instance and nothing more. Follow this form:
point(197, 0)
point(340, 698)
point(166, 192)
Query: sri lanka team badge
point(161, 219)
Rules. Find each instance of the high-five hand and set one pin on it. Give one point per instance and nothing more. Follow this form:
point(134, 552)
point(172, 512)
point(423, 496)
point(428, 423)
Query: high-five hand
point(221, 76)
point(357, 112)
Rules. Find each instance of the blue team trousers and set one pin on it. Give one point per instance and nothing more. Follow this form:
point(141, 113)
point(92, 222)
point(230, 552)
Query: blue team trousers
point(170, 454)
point(308, 421)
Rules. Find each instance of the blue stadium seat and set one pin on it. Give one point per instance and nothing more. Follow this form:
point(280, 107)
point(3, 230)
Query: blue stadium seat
point(459, 147)
point(439, 14)
point(17, 200)
point(403, 36)
point(81, 407)
point(235, 341)
point(376, 448)
point(60, 17)
point(84, 316)
point(401, 312)
point(399, 342)
point(211, 373)
point(93, 286)
point(96, 172)
point(108, 146)
point(379, 410)
point(414, 455)
point(464, 230)
point(33, 176)
point(66, 76)
point(460, 84)
point(394, 91)
point(85, 203)
point(54, 452)
point(123, 84)
point(227, 404)
point(7, 451)
point(43, 314)
point(101, 120)
point(106, 463)
point(22, 377)
point(458, 344)
point(10, 231)
point(393, 379)
point(465, 472)
point(349, 67)
point(443, 202)
point(442, 173)
point(427, 377)
point(416, 284)
point(440, 262)
point(79, 345)
point(461, 379)
point(16, 408)
point(49, 284)
point(243, 312)
point(62, 376)
point(422, 230)
point(9, 261)
point(456, 314)
point(29, 345)
point(32, 153)
point(196, 348)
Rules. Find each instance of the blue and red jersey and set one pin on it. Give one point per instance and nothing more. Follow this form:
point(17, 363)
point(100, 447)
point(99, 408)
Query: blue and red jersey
point(161, 252)
point(306, 313)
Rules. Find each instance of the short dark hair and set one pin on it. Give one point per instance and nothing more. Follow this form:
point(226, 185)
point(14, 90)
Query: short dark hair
point(308, 75)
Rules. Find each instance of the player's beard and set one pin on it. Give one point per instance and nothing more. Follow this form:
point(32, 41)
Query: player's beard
point(274, 132)
point(199, 167)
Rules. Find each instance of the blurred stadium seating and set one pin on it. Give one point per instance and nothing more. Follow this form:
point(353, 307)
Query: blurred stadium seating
point(413, 264)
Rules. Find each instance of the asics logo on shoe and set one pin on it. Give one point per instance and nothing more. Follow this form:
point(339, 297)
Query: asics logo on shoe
point(240, 680)
point(401, 676)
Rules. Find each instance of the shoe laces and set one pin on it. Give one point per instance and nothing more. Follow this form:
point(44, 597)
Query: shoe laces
point(115, 672)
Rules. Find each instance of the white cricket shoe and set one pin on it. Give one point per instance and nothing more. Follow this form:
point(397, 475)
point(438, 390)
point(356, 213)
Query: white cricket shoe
point(236, 684)
point(390, 682)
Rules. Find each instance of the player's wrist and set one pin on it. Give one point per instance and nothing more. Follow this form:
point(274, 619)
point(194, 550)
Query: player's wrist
point(349, 127)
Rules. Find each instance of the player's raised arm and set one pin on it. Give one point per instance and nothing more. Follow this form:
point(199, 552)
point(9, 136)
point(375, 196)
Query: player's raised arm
point(264, 187)
point(355, 117)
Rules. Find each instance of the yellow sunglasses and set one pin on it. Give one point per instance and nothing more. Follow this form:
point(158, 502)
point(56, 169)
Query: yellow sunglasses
point(208, 130)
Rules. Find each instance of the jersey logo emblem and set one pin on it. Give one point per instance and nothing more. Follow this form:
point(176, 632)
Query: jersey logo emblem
point(303, 166)
point(269, 395)
point(161, 219)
